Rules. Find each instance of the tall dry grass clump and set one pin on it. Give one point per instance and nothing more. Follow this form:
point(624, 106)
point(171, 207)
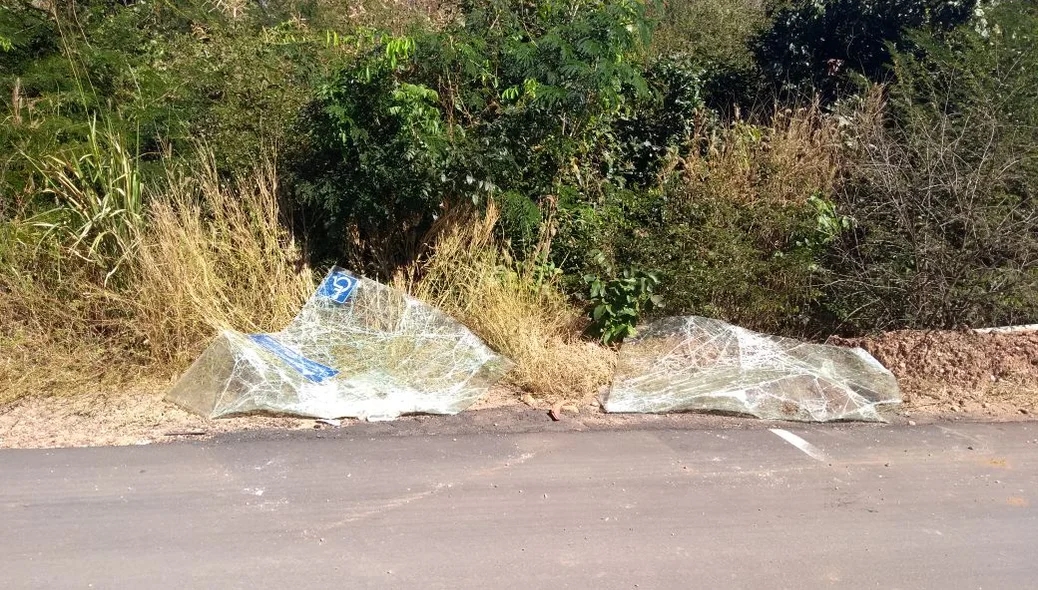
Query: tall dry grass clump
point(93, 293)
point(517, 312)
point(215, 256)
point(796, 155)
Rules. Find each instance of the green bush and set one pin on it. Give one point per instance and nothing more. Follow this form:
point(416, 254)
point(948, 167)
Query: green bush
point(944, 193)
point(734, 232)
point(515, 99)
point(715, 35)
point(658, 122)
point(748, 263)
point(165, 76)
point(618, 304)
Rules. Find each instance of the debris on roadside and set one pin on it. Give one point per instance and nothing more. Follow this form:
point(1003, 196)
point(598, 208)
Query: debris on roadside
point(559, 406)
point(186, 433)
point(693, 363)
point(357, 349)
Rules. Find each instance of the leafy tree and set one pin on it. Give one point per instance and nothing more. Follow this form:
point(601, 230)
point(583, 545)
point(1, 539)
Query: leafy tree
point(163, 75)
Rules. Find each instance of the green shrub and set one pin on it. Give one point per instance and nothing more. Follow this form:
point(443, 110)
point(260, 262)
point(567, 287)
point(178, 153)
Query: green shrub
point(658, 122)
point(752, 264)
point(166, 76)
point(734, 232)
point(617, 304)
point(514, 99)
point(715, 35)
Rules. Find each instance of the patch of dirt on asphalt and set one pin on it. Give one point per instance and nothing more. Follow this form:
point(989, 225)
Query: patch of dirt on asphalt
point(129, 418)
point(141, 416)
point(992, 375)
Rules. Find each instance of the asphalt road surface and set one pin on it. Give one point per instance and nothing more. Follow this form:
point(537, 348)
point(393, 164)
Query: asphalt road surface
point(936, 506)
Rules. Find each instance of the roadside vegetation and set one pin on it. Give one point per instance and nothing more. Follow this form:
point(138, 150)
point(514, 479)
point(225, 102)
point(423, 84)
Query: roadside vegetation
point(549, 172)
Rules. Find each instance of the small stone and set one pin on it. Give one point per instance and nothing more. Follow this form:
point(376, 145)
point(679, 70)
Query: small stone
point(970, 447)
point(1024, 411)
point(911, 422)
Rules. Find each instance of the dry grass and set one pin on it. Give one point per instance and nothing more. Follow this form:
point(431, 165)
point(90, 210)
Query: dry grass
point(793, 157)
point(215, 257)
point(207, 256)
point(204, 256)
point(468, 276)
point(33, 363)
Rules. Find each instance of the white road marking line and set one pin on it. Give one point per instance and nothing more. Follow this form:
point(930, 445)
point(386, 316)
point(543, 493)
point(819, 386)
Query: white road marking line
point(809, 449)
point(972, 439)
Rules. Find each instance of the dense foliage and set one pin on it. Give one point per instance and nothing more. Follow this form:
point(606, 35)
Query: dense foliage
point(944, 193)
point(514, 102)
point(803, 166)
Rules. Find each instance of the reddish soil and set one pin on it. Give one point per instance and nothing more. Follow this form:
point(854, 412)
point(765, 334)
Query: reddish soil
point(993, 374)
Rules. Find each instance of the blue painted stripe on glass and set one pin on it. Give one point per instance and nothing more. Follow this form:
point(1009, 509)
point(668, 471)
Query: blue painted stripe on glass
point(312, 370)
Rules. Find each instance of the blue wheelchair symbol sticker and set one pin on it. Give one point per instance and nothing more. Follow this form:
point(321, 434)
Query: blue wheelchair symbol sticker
point(337, 286)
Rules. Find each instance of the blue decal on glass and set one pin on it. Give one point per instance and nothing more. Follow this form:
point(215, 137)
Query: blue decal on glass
point(312, 370)
point(337, 286)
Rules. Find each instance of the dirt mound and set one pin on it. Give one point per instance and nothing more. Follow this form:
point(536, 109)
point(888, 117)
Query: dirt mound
point(995, 374)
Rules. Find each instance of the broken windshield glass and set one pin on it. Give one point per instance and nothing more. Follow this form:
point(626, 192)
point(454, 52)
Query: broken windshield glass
point(694, 363)
point(358, 348)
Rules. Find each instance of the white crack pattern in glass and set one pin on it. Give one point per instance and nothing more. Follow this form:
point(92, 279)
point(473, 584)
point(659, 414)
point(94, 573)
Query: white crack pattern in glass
point(699, 364)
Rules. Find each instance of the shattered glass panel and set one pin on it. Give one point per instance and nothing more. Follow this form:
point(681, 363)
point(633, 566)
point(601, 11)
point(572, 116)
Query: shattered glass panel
point(693, 363)
point(358, 348)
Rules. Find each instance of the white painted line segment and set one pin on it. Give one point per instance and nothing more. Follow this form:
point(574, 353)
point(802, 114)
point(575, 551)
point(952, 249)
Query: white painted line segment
point(809, 449)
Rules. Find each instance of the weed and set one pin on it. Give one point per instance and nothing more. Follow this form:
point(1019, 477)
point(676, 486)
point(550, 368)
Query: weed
point(98, 201)
point(515, 307)
point(201, 257)
point(618, 303)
